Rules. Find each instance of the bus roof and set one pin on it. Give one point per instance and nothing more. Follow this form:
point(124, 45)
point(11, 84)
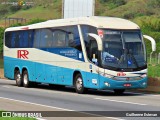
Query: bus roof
point(99, 22)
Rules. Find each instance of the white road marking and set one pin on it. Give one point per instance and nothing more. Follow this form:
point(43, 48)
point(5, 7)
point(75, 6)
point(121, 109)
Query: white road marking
point(40, 119)
point(6, 86)
point(119, 101)
point(35, 104)
point(151, 95)
point(58, 108)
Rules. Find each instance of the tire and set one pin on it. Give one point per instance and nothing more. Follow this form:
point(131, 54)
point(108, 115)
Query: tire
point(17, 77)
point(119, 91)
point(25, 79)
point(78, 84)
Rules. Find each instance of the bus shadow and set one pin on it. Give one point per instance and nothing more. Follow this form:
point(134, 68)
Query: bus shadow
point(69, 89)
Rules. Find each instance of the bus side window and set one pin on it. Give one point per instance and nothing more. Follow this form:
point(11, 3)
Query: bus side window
point(74, 38)
point(61, 39)
point(87, 40)
point(25, 41)
point(17, 39)
point(30, 38)
point(37, 38)
point(8, 38)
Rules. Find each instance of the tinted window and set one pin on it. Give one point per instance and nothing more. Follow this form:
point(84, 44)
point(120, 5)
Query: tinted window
point(44, 38)
point(19, 39)
point(60, 38)
point(87, 40)
point(8, 36)
point(74, 38)
point(37, 38)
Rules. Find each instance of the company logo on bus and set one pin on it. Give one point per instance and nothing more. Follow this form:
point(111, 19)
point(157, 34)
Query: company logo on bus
point(121, 74)
point(25, 28)
point(100, 33)
point(22, 54)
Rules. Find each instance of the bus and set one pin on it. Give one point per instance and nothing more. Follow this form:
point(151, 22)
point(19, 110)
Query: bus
point(103, 53)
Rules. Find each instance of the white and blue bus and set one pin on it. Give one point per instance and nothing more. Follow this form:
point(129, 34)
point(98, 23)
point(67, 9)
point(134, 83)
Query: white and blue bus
point(103, 53)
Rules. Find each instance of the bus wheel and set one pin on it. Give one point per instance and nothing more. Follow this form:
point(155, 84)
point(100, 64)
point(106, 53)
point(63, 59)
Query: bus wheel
point(17, 77)
point(78, 83)
point(119, 91)
point(25, 79)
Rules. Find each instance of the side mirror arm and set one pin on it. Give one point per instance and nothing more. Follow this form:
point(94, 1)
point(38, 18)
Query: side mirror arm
point(153, 42)
point(98, 39)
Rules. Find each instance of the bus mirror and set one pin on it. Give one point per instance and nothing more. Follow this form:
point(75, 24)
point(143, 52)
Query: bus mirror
point(98, 39)
point(94, 56)
point(153, 42)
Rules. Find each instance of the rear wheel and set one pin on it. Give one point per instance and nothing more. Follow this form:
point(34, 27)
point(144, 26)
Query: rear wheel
point(119, 91)
point(78, 83)
point(17, 77)
point(25, 79)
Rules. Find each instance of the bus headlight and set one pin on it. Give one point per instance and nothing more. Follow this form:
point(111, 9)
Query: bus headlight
point(144, 76)
point(144, 84)
point(107, 84)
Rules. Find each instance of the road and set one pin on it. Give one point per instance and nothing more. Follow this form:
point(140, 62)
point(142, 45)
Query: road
point(93, 104)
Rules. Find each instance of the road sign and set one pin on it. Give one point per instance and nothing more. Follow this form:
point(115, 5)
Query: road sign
point(78, 8)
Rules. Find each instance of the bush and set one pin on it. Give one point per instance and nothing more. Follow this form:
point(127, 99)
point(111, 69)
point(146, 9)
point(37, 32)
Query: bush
point(116, 3)
point(35, 21)
point(14, 8)
point(119, 2)
point(150, 26)
point(1, 39)
point(129, 15)
point(153, 3)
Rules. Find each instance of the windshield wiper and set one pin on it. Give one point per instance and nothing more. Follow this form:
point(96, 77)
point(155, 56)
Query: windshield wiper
point(134, 59)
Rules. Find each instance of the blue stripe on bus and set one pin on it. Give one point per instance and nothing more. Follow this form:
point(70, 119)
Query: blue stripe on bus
point(66, 52)
point(44, 73)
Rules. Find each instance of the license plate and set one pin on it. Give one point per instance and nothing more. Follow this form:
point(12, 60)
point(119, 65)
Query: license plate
point(127, 85)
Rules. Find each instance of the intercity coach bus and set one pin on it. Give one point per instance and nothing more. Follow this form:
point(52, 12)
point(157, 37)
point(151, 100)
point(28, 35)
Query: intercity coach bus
point(103, 53)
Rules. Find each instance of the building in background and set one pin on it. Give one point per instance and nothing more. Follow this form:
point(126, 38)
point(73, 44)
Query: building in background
point(78, 8)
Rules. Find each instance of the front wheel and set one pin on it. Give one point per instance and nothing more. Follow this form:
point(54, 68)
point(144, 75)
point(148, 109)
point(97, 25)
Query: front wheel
point(78, 83)
point(119, 91)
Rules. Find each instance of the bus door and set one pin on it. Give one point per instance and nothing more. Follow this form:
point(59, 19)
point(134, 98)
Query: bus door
point(92, 52)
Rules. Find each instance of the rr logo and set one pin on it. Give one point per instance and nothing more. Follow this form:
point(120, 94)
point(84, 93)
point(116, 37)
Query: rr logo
point(121, 74)
point(22, 54)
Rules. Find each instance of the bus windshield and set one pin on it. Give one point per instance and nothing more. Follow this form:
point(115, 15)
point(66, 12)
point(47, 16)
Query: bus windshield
point(123, 49)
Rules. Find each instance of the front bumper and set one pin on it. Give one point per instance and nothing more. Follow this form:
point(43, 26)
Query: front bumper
point(106, 83)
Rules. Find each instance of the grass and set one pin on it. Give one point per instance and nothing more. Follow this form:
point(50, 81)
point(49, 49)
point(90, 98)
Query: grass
point(48, 9)
point(1, 63)
point(154, 70)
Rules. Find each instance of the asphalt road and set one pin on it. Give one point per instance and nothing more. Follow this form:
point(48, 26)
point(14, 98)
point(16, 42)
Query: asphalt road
point(93, 104)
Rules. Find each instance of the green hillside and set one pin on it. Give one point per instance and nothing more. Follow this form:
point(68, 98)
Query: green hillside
point(146, 13)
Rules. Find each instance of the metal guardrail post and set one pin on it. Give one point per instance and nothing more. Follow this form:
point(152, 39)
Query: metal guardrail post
point(151, 57)
point(159, 58)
